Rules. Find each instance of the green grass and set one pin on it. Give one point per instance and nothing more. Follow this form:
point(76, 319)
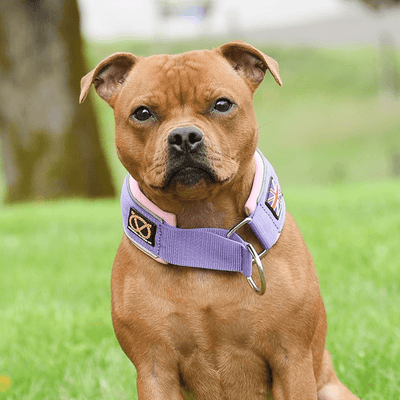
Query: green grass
point(56, 336)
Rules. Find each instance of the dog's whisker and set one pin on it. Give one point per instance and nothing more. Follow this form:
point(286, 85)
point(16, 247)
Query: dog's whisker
point(160, 166)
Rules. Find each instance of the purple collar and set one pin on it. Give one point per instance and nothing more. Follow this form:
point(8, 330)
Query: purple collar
point(154, 231)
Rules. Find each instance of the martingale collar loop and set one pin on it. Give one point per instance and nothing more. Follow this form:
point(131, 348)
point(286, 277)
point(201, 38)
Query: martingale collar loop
point(154, 231)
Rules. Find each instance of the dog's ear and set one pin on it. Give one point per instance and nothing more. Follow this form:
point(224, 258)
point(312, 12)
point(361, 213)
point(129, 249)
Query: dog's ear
point(249, 62)
point(108, 76)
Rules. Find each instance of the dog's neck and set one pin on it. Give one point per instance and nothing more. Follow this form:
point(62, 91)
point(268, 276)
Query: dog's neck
point(223, 210)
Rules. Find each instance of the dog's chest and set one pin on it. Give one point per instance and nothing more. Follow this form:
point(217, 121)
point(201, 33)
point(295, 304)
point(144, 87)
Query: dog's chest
point(212, 339)
point(212, 345)
point(204, 323)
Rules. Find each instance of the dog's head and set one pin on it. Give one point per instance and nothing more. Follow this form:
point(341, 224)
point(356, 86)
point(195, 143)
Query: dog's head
point(185, 124)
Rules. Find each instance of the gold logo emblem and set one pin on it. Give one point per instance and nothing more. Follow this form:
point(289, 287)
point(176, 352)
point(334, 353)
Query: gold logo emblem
point(139, 225)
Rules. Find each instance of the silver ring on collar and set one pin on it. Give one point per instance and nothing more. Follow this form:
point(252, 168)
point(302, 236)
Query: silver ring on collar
point(256, 258)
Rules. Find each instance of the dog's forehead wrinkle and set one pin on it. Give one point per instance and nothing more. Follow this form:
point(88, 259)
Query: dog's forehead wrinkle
point(185, 74)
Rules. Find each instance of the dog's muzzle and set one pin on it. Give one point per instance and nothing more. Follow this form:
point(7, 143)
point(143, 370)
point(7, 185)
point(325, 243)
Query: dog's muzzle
point(187, 157)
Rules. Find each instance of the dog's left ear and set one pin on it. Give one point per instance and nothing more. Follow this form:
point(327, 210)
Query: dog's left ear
point(249, 62)
point(109, 76)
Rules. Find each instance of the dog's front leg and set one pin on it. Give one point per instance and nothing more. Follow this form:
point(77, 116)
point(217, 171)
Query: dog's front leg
point(293, 379)
point(158, 383)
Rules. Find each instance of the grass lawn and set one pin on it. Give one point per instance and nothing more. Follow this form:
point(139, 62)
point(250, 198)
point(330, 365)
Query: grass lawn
point(56, 337)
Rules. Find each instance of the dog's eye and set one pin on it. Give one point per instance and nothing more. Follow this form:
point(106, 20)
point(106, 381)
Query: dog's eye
point(142, 113)
point(223, 105)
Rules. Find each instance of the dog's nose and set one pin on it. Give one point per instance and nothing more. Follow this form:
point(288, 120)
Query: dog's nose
point(186, 139)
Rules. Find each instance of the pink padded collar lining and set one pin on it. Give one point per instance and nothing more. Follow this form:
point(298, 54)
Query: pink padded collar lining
point(251, 202)
point(137, 193)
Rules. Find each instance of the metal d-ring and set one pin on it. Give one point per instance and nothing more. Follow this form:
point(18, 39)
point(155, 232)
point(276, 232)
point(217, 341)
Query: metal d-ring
point(256, 258)
point(238, 226)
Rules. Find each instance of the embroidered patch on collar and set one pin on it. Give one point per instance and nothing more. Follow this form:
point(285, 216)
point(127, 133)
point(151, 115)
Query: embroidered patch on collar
point(274, 198)
point(142, 226)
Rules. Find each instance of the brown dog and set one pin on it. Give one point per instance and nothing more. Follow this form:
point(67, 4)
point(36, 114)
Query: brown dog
point(190, 332)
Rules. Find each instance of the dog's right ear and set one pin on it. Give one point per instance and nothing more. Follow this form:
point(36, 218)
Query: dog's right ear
point(109, 76)
point(249, 62)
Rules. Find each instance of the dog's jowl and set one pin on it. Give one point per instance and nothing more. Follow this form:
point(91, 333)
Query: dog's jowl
point(214, 293)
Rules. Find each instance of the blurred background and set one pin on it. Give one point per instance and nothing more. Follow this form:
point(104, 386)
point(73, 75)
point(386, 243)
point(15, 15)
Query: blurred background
point(336, 118)
point(332, 133)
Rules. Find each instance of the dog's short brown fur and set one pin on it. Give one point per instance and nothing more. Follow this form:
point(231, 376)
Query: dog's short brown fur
point(195, 333)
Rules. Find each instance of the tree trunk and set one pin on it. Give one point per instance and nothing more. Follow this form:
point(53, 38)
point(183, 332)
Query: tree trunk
point(50, 144)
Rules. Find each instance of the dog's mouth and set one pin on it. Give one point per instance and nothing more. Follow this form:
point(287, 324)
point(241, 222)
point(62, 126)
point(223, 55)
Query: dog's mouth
point(188, 174)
